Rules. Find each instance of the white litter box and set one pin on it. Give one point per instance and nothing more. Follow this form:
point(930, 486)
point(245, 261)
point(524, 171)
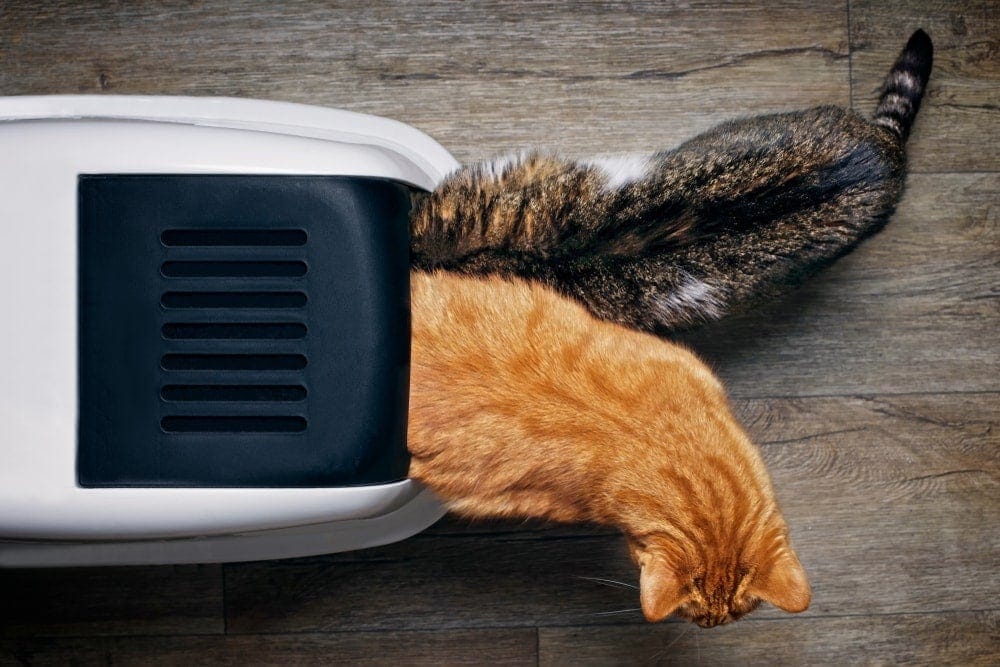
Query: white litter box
point(205, 339)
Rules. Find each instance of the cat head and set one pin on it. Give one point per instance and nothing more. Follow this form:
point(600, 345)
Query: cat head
point(698, 508)
point(714, 588)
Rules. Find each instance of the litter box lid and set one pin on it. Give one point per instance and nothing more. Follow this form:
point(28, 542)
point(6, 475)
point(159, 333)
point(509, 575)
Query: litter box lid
point(349, 143)
point(49, 146)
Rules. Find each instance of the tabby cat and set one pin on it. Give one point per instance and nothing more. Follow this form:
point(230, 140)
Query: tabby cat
point(522, 404)
point(660, 242)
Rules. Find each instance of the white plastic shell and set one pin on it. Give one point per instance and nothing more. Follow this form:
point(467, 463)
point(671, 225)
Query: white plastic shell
point(45, 144)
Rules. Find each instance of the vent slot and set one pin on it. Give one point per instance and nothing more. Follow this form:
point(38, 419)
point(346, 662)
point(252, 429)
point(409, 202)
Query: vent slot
point(242, 397)
point(182, 424)
point(233, 362)
point(235, 331)
point(220, 269)
point(233, 237)
point(282, 393)
point(233, 300)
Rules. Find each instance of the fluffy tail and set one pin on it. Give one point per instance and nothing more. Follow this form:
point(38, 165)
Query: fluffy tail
point(904, 87)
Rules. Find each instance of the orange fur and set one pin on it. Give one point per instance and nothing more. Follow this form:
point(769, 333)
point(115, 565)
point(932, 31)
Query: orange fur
point(524, 405)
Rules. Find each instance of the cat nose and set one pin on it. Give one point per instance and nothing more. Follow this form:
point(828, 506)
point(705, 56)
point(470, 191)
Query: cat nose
point(712, 621)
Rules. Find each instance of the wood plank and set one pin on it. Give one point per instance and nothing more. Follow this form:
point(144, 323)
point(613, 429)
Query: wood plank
point(959, 128)
point(966, 638)
point(914, 309)
point(111, 601)
point(892, 503)
point(482, 77)
point(497, 647)
point(434, 582)
point(892, 499)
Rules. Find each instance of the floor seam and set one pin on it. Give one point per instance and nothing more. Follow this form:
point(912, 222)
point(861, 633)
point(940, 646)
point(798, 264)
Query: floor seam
point(537, 629)
point(850, 59)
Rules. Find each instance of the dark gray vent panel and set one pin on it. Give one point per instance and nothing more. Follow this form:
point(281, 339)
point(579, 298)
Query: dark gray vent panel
point(242, 330)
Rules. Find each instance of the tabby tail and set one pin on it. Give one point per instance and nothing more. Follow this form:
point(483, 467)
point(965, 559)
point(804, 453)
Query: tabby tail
point(905, 85)
point(664, 241)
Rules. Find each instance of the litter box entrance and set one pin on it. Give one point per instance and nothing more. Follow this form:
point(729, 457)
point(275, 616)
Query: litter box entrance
point(242, 331)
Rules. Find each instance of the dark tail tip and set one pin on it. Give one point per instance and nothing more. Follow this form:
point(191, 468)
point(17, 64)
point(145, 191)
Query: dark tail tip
point(920, 50)
point(904, 86)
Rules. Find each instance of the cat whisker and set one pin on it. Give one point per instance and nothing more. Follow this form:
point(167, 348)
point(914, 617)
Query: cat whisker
point(613, 583)
point(662, 651)
point(617, 611)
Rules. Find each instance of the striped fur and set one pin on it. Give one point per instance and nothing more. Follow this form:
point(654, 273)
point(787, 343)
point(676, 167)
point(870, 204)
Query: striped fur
point(750, 208)
point(905, 84)
point(523, 405)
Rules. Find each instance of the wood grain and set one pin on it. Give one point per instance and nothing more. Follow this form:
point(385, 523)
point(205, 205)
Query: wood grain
point(874, 389)
point(967, 638)
point(481, 77)
point(111, 601)
point(958, 128)
point(892, 503)
point(496, 647)
point(914, 309)
point(488, 77)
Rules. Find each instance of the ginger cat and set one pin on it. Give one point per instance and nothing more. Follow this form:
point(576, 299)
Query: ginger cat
point(523, 404)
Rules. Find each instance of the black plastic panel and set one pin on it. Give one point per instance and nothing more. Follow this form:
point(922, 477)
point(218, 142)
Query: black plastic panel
point(242, 330)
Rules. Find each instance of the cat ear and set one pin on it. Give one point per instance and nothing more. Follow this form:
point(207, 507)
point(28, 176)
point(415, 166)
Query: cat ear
point(785, 585)
point(660, 590)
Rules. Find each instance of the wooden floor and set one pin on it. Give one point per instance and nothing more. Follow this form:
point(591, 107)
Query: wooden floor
point(874, 391)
